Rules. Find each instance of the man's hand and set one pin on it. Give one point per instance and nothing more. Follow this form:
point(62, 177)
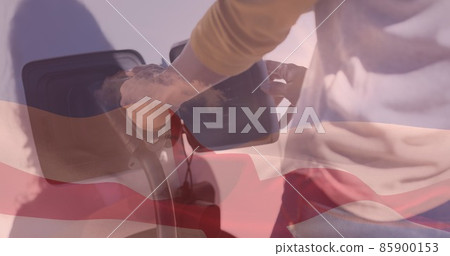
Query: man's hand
point(292, 74)
point(108, 96)
point(157, 83)
point(165, 85)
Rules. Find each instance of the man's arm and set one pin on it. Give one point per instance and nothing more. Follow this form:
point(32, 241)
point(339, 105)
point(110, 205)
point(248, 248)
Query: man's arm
point(234, 34)
point(231, 37)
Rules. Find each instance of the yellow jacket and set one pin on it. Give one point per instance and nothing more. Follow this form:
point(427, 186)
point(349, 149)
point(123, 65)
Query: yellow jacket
point(234, 34)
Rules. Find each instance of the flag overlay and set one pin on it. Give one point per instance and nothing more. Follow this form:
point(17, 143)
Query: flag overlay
point(249, 202)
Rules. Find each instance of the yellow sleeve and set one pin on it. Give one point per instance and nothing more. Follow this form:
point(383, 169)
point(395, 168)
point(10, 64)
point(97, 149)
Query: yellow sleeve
point(234, 34)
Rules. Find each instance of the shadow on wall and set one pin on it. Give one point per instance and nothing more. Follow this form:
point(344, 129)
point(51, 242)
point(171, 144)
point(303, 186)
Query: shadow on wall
point(42, 29)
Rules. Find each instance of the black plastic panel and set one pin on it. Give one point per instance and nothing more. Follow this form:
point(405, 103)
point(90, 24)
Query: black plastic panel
point(74, 139)
point(64, 85)
point(238, 93)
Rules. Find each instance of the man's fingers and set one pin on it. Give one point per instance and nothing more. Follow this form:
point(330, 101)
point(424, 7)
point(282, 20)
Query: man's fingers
point(271, 65)
point(147, 71)
point(275, 89)
point(280, 70)
point(292, 74)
